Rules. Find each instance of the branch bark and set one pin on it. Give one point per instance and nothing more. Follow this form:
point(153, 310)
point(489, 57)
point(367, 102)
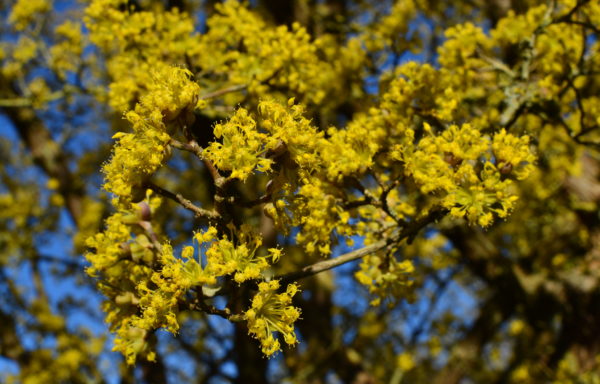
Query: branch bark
point(187, 204)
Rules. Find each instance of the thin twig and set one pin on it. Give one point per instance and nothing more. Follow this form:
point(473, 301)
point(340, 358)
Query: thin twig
point(214, 172)
point(224, 91)
point(322, 266)
point(567, 17)
point(367, 200)
point(384, 203)
point(206, 308)
point(497, 64)
point(584, 24)
point(17, 102)
point(187, 204)
point(198, 304)
point(252, 203)
point(147, 227)
point(193, 147)
point(20, 102)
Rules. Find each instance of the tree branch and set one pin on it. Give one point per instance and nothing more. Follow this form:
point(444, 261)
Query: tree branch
point(221, 92)
point(409, 233)
point(187, 204)
point(193, 148)
point(16, 102)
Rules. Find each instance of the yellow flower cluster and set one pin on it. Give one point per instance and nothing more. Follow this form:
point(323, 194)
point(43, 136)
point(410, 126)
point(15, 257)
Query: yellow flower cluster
point(246, 146)
point(459, 162)
point(109, 260)
point(23, 12)
point(273, 313)
point(136, 44)
point(66, 54)
point(132, 342)
point(514, 28)
point(18, 207)
point(512, 154)
point(63, 361)
point(479, 199)
point(158, 295)
point(287, 125)
point(88, 223)
point(433, 138)
point(148, 297)
point(242, 147)
point(391, 31)
point(224, 257)
point(317, 212)
point(160, 305)
point(350, 151)
point(107, 245)
point(462, 57)
point(270, 52)
point(386, 277)
point(439, 162)
point(15, 57)
point(273, 59)
point(27, 49)
point(172, 96)
point(466, 171)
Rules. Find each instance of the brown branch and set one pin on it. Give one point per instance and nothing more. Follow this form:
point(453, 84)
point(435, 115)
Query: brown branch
point(367, 200)
point(220, 198)
point(252, 203)
point(214, 172)
point(187, 204)
point(201, 306)
point(219, 181)
point(198, 304)
point(384, 203)
point(584, 24)
point(322, 266)
point(16, 102)
point(147, 227)
point(221, 92)
point(193, 147)
point(20, 102)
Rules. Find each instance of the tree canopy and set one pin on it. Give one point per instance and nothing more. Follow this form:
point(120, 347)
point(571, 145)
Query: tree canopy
point(300, 191)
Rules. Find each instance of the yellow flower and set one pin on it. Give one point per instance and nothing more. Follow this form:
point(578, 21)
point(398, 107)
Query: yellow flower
point(405, 361)
point(272, 314)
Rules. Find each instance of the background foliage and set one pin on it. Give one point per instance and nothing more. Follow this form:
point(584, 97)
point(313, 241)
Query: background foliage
point(299, 191)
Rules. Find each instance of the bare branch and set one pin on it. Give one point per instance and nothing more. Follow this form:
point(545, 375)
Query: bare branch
point(224, 91)
point(409, 233)
point(16, 102)
point(322, 266)
point(187, 204)
point(198, 304)
point(193, 147)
